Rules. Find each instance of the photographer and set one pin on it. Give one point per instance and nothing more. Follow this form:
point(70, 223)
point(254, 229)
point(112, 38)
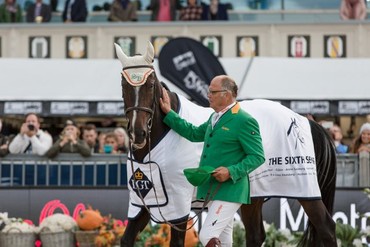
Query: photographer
point(69, 142)
point(31, 139)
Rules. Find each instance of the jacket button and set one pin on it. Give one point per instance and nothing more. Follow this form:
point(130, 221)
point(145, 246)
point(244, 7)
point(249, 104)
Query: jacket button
point(204, 156)
point(210, 135)
point(207, 145)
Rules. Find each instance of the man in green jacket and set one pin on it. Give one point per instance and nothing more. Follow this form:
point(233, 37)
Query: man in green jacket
point(232, 146)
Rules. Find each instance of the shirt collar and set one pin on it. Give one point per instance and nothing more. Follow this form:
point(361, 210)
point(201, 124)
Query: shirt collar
point(220, 113)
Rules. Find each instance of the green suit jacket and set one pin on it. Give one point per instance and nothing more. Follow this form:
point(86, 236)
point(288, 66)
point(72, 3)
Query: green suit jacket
point(5, 15)
point(234, 142)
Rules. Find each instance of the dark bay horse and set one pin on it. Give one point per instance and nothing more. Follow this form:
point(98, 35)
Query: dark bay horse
point(141, 91)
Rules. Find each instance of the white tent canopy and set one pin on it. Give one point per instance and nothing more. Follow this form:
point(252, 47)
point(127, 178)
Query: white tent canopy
point(307, 79)
point(285, 79)
point(273, 78)
point(83, 80)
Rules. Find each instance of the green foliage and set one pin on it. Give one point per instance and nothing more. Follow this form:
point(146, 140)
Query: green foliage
point(347, 234)
point(274, 237)
point(238, 235)
point(148, 231)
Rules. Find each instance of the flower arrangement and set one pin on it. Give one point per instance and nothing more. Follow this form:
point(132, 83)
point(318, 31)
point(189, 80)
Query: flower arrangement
point(110, 232)
point(58, 223)
point(15, 225)
point(106, 230)
point(159, 235)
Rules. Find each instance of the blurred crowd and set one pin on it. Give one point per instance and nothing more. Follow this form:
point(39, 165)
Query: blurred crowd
point(161, 10)
point(360, 143)
point(119, 10)
point(85, 139)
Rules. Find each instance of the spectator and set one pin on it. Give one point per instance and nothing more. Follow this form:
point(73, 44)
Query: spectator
point(101, 139)
point(362, 142)
point(353, 9)
point(10, 12)
point(31, 139)
point(122, 139)
point(90, 136)
point(192, 12)
point(111, 143)
point(337, 135)
point(4, 141)
point(164, 10)
point(75, 11)
point(69, 142)
point(38, 12)
point(215, 11)
point(361, 146)
point(122, 10)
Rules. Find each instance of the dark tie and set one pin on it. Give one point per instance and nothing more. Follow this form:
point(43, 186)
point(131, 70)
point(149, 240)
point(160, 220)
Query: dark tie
point(28, 149)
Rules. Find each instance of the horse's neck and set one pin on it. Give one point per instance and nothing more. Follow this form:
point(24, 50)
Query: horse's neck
point(159, 128)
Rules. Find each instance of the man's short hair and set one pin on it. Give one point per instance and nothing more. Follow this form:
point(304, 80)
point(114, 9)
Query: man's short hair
point(32, 113)
point(89, 127)
point(229, 84)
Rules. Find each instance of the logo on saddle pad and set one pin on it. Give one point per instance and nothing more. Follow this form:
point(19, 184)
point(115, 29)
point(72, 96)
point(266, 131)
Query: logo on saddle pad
point(140, 183)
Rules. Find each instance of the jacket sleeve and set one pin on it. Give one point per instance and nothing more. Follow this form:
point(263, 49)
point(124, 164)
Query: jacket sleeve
point(83, 148)
point(4, 152)
point(42, 144)
point(17, 144)
point(54, 150)
point(184, 128)
point(47, 16)
point(251, 142)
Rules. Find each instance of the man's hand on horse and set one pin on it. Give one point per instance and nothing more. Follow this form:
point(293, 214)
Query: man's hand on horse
point(165, 102)
point(221, 174)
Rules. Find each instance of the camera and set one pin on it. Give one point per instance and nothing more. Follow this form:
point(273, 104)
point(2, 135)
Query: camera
point(31, 127)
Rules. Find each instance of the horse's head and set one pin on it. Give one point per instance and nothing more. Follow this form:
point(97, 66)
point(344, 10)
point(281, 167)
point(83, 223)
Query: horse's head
point(140, 90)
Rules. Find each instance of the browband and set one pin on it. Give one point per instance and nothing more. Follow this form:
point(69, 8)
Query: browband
point(138, 66)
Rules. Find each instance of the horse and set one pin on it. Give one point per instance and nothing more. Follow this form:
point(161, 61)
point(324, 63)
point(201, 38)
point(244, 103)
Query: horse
point(141, 91)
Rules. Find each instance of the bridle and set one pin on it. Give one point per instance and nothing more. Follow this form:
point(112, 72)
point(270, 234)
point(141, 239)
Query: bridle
point(142, 108)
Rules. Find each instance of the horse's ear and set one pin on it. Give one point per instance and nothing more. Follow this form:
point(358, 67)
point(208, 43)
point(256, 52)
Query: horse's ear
point(120, 54)
point(149, 54)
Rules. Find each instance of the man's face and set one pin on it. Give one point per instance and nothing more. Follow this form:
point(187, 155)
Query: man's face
point(89, 136)
point(216, 95)
point(32, 120)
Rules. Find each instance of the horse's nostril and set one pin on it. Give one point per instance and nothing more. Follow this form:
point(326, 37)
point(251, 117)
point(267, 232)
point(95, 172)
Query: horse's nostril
point(144, 133)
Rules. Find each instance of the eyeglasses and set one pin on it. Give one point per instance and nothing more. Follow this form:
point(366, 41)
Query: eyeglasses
point(216, 91)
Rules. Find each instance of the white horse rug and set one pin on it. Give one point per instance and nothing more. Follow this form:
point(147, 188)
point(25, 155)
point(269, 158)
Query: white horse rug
point(289, 169)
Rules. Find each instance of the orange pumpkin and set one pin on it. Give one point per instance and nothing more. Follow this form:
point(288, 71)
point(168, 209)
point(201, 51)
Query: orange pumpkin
point(191, 236)
point(89, 219)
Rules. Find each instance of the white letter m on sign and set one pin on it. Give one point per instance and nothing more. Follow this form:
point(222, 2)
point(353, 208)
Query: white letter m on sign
point(286, 214)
